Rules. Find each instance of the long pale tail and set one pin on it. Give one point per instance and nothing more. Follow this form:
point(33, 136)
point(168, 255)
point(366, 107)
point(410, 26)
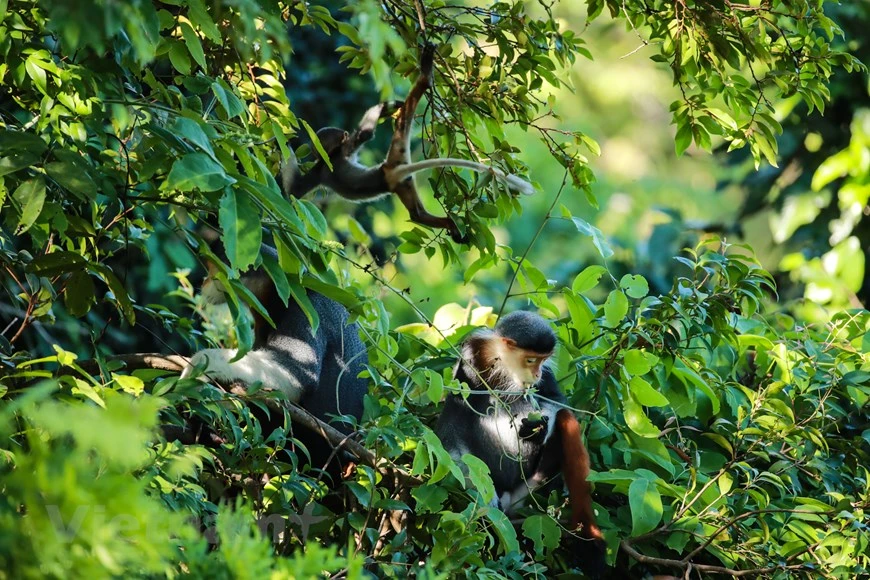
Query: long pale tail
point(512, 181)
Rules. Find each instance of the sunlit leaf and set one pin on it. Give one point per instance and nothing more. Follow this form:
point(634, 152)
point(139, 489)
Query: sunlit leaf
point(615, 308)
point(587, 279)
point(239, 217)
point(197, 171)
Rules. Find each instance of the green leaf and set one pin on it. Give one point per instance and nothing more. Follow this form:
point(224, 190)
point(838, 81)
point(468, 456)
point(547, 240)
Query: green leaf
point(228, 99)
point(638, 362)
point(312, 135)
point(193, 132)
point(72, 178)
point(436, 387)
point(478, 475)
point(684, 136)
point(504, 529)
point(194, 45)
point(646, 506)
point(239, 218)
point(56, 263)
point(28, 200)
point(278, 276)
point(615, 308)
point(197, 171)
point(312, 216)
point(637, 420)
point(767, 148)
point(242, 320)
point(543, 531)
point(78, 295)
point(834, 167)
point(340, 295)
point(643, 392)
point(587, 279)
point(179, 57)
point(429, 498)
point(83, 388)
point(16, 161)
point(301, 297)
point(688, 375)
point(249, 298)
point(12, 142)
point(598, 238)
point(36, 73)
point(200, 17)
point(129, 384)
point(122, 299)
point(276, 205)
point(635, 286)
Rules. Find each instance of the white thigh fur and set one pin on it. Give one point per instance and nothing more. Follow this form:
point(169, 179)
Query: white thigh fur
point(257, 365)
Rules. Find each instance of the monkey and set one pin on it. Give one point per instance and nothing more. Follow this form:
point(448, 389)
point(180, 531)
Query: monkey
point(515, 420)
point(356, 182)
point(318, 370)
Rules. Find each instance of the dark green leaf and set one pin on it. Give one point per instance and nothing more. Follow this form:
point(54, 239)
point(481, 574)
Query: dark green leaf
point(15, 161)
point(28, 200)
point(55, 263)
point(301, 297)
point(197, 171)
point(122, 299)
point(79, 293)
point(504, 529)
point(543, 531)
point(72, 178)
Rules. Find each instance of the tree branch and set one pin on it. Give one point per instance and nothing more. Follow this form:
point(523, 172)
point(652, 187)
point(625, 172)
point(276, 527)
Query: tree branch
point(627, 547)
point(299, 415)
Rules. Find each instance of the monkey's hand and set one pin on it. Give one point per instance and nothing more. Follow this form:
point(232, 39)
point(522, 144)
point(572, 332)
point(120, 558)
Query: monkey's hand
point(534, 428)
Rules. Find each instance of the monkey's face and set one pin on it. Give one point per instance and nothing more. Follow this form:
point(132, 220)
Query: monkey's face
point(525, 365)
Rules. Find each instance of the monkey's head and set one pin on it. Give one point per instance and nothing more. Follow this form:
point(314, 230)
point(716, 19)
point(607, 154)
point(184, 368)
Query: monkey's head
point(525, 342)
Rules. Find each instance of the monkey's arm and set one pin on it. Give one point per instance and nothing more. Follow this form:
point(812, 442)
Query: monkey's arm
point(258, 365)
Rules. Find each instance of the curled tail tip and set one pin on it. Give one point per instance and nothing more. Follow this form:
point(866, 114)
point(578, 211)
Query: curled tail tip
point(520, 185)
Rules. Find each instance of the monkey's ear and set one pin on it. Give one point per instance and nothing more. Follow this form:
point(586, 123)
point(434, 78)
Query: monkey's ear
point(509, 342)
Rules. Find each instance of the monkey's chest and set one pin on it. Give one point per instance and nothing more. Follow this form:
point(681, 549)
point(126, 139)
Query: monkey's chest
point(503, 428)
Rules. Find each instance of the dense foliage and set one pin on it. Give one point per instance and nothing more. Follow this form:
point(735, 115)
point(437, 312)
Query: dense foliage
point(727, 433)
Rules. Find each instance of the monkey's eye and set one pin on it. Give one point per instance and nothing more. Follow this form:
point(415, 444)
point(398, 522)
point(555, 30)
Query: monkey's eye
point(531, 361)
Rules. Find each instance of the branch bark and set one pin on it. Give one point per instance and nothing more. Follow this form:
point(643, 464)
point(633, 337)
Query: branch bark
point(299, 415)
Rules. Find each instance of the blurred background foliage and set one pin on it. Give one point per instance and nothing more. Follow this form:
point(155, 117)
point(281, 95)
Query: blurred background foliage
point(727, 420)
